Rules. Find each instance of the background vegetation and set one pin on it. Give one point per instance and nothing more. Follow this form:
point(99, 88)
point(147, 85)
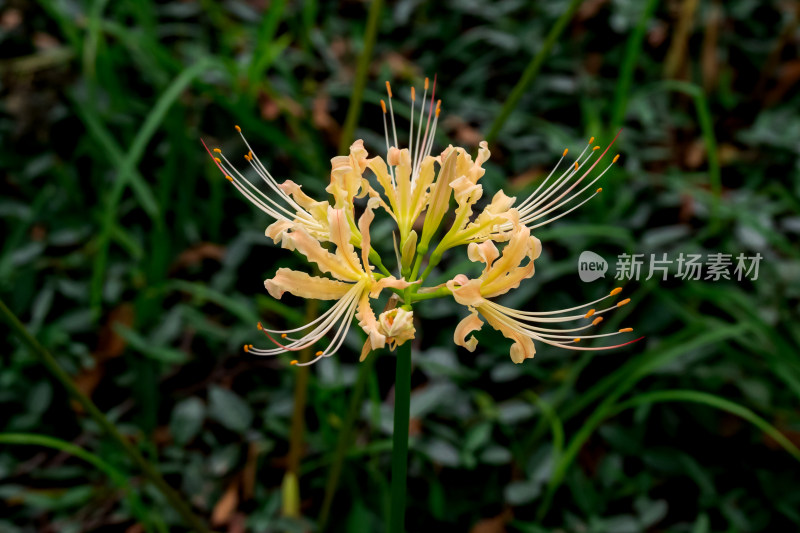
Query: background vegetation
point(136, 265)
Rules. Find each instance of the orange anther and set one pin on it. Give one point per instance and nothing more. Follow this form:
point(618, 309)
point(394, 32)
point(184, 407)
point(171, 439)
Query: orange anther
point(218, 160)
point(389, 89)
point(383, 106)
point(615, 291)
point(294, 362)
point(218, 150)
point(413, 94)
point(246, 348)
point(259, 326)
point(590, 313)
point(623, 302)
point(576, 165)
point(595, 148)
point(438, 110)
point(591, 140)
point(320, 352)
point(565, 152)
point(578, 339)
point(228, 178)
point(238, 129)
point(626, 330)
point(283, 335)
point(426, 84)
point(599, 189)
point(597, 320)
point(616, 157)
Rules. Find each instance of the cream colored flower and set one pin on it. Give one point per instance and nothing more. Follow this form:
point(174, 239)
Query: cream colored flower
point(352, 284)
point(503, 272)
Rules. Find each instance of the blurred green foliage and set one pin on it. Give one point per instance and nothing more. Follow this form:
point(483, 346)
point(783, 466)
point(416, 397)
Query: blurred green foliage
point(130, 258)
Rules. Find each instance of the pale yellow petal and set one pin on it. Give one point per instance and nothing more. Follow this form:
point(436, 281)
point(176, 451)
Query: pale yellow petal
point(401, 160)
point(363, 226)
point(366, 319)
point(276, 230)
point(389, 282)
point(466, 326)
point(466, 292)
point(317, 209)
point(486, 252)
point(346, 172)
point(507, 272)
point(299, 239)
point(305, 286)
point(340, 236)
point(439, 201)
point(378, 167)
point(522, 348)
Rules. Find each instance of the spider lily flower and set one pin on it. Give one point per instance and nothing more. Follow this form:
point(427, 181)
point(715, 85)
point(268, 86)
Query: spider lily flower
point(352, 284)
point(407, 177)
point(503, 272)
point(413, 185)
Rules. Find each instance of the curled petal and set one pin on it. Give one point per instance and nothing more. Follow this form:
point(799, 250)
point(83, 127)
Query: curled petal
point(378, 167)
point(522, 348)
point(486, 252)
point(466, 292)
point(305, 286)
point(465, 191)
point(315, 208)
point(388, 282)
point(466, 326)
point(366, 319)
point(277, 229)
point(340, 236)
point(299, 239)
point(363, 226)
point(535, 248)
point(346, 174)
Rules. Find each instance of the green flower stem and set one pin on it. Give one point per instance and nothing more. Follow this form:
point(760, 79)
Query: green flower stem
point(438, 293)
point(150, 472)
point(375, 259)
point(436, 256)
point(422, 249)
point(402, 405)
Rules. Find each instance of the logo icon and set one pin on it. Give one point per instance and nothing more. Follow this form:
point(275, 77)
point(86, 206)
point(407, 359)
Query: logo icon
point(591, 266)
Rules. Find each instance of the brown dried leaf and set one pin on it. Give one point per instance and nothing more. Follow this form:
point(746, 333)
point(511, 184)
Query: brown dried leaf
point(249, 472)
point(196, 254)
point(109, 343)
point(225, 507)
point(496, 524)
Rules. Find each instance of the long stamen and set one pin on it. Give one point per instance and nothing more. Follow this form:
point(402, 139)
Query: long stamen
point(534, 200)
point(411, 132)
point(342, 308)
point(549, 313)
point(586, 173)
point(422, 153)
point(417, 160)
